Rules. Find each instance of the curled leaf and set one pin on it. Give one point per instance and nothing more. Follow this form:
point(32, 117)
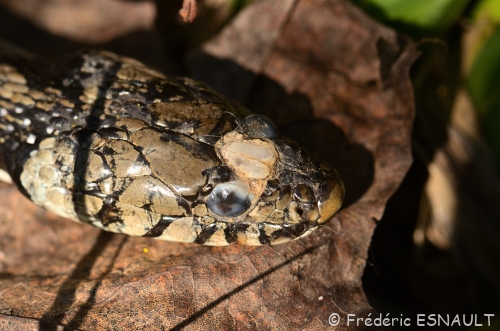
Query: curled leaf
point(188, 10)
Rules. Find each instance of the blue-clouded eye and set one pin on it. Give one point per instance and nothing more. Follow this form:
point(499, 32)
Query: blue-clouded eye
point(260, 126)
point(229, 200)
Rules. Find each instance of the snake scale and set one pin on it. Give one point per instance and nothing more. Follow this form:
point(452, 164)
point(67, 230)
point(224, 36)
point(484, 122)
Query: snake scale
point(102, 139)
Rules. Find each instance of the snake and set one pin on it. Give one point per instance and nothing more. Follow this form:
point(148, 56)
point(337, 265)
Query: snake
point(103, 139)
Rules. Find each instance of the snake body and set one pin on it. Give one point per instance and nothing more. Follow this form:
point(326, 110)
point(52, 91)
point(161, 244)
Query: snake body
point(103, 139)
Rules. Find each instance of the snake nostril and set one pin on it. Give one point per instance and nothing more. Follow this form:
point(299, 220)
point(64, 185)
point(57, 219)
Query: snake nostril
point(304, 193)
point(299, 211)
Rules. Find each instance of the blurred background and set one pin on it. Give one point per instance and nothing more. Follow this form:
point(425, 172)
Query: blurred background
point(437, 248)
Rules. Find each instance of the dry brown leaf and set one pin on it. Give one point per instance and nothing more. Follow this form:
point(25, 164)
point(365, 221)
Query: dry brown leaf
point(86, 21)
point(333, 79)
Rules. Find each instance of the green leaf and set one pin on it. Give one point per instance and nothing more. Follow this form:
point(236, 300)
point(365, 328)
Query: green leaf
point(426, 14)
point(489, 9)
point(484, 86)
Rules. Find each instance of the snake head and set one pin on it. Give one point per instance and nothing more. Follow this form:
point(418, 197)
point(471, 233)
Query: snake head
point(269, 190)
point(132, 151)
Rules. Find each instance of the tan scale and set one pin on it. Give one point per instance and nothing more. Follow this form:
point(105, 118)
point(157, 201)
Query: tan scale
point(269, 229)
point(122, 135)
point(91, 93)
point(66, 146)
point(5, 93)
point(131, 124)
point(43, 180)
point(87, 205)
point(183, 229)
point(106, 185)
point(280, 240)
point(67, 103)
point(9, 73)
point(134, 70)
point(16, 88)
point(125, 161)
point(67, 162)
point(94, 168)
point(159, 198)
point(5, 127)
point(180, 113)
point(60, 202)
point(250, 237)
point(37, 95)
point(112, 184)
point(11, 119)
point(49, 175)
point(272, 197)
point(261, 212)
point(120, 85)
point(94, 142)
point(22, 99)
point(6, 105)
point(16, 77)
point(134, 221)
point(175, 98)
point(200, 210)
point(51, 90)
point(284, 200)
point(170, 161)
point(314, 215)
point(277, 217)
point(47, 106)
point(218, 238)
point(68, 180)
point(206, 220)
point(308, 232)
point(108, 102)
point(86, 107)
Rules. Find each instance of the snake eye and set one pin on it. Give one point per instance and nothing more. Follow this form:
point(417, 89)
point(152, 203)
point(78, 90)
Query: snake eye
point(259, 126)
point(229, 200)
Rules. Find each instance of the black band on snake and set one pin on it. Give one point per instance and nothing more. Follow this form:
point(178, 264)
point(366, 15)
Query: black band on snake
point(105, 140)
